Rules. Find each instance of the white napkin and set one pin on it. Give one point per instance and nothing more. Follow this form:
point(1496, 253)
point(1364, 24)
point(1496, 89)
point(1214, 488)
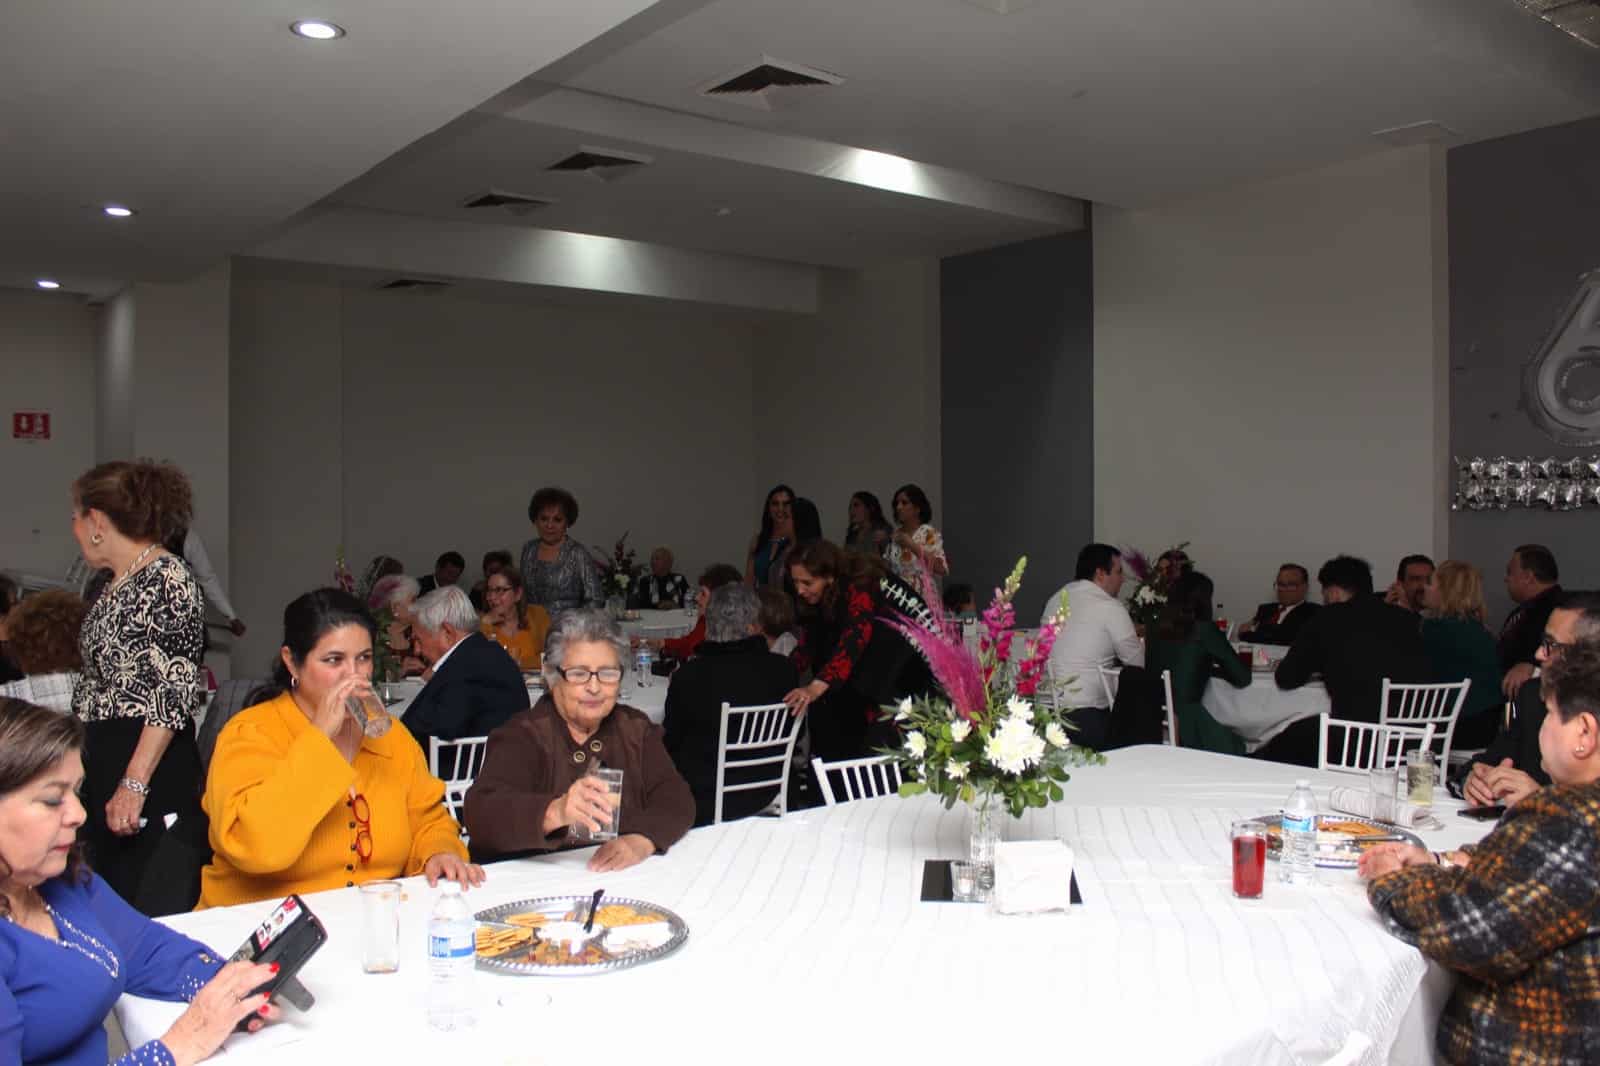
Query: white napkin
point(1358, 801)
point(1032, 876)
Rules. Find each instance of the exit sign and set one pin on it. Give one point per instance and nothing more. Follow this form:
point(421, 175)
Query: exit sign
point(30, 425)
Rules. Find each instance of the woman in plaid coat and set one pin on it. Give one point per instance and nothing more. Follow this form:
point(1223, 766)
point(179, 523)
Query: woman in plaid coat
point(1518, 916)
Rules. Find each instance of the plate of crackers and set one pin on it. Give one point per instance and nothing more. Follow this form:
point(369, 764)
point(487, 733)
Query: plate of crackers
point(1341, 838)
point(546, 936)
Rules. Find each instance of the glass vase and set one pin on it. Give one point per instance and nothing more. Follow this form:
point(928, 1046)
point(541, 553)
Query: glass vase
point(617, 606)
point(983, 833)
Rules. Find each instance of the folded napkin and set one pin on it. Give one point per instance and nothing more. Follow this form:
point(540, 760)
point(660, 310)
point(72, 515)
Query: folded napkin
point(1358, 801)
point(1032, 876)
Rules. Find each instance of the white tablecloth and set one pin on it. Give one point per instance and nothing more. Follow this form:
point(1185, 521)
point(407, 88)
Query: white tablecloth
point(660, 625)
point(1262, 710)
point(650, 698)
point(807, 940)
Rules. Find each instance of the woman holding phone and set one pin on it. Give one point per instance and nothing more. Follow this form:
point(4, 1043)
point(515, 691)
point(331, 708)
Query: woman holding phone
point(302, 796)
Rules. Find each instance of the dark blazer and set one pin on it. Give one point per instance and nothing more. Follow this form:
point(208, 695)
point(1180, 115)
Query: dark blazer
point(476, 690)
point(1354, 646)
point(1519, 741)
point(740, 672)
point(1264, 632)
point(426, 585)
point(1523, 628)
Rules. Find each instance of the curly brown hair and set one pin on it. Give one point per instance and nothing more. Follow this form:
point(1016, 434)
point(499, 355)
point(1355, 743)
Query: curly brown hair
point(44, 632)
point(551, 496)
point(146, 500)
point(33, 739)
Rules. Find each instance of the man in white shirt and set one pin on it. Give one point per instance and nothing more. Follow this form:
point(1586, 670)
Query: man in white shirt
point(1098, 633)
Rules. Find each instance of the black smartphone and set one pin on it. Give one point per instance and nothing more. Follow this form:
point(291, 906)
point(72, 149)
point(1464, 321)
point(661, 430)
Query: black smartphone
point(1487, 813)
point(289, 937)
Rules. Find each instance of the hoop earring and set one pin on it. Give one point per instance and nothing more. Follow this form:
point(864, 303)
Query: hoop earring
point(294, 682)
point(95, 538)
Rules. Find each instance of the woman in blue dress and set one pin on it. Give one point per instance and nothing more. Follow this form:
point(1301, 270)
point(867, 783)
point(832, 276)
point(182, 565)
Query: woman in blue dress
point(69, 946)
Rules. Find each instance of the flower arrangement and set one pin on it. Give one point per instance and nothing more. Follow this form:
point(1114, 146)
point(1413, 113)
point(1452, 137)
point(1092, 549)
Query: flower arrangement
point(618, 570)
point(343, 579)
point(984, 738)
point(1153, 580)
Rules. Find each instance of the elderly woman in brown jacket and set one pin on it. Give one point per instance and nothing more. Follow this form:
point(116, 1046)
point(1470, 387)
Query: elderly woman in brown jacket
point(535, 791)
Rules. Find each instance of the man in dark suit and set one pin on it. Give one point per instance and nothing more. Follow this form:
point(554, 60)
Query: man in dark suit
point(1280, 622)
point(447, 571)
point(473, 685)
point(1511, 767)
point(732, 665)
point(1354, 642)
point(1532, 581)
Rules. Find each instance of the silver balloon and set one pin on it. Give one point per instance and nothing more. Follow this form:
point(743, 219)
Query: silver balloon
point(1544, 494)
point(1477, 466)
point(1546, 467)
point(1522, 493)
point(1497, 468)
point(1518, 468)
point(1573, 468)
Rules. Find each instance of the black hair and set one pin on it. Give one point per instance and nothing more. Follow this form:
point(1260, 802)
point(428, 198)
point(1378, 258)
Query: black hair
point(956, 596)
point(919, 500)
point(875, 519)
point(450, 559)
point(1305, 575)
point(550, 496)
point(1094, 558)
point(766, 512)
point(1348, 573)
point(719, 574)
point(1539, 561)
point(8, 595)
point(499, 555)
point(1400, 571)
point(307, 620)
point(1188, 605)
point(1572, 682)
point(807, 521)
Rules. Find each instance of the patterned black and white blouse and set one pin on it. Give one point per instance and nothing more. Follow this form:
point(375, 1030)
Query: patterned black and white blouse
point(142, 643)
point(662, 593)
point(570, 580)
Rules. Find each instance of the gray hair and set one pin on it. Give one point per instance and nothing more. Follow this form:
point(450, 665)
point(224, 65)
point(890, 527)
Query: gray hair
point(731, 612)
point(581, 625)
point(402, 588)
point(447, 606)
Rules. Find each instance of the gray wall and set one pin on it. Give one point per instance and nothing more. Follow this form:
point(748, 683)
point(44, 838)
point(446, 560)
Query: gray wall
point(1524, 223)
point(1017, 423)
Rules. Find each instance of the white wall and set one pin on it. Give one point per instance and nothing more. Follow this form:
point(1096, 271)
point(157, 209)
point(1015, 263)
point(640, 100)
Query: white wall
point(1269, 364)
point(848, 399)
point(47, 363)
point(114, 384)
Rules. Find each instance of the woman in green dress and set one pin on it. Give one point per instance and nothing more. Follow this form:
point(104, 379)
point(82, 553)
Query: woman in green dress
point(1187, 642)
point(1460, 646)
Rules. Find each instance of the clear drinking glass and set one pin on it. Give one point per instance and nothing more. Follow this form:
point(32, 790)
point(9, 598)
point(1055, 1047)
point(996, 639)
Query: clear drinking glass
point(366, 707)
point(1384, 784)
point(613, 780)
point(964, 882)
point(1419, 778)
point(1249, 841)
point(380, 926)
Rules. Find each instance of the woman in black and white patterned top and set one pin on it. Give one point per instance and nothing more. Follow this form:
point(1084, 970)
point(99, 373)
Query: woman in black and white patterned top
point(140, 687)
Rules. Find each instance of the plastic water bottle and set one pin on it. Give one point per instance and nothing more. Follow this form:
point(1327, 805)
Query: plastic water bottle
point(643, 656)
point(1298, 863)
point(450, 960)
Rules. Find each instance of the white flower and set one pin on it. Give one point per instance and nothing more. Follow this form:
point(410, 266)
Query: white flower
point(916, 744)
point(902, 710)
point(1014, 746)
point(960, 729)
point(1056, 735)
point(1146, 594)
point(954, 770)
point(1017, 707)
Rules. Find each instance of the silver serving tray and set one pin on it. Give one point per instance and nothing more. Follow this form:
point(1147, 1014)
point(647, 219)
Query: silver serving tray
point(1328, 857)
point(557, 908)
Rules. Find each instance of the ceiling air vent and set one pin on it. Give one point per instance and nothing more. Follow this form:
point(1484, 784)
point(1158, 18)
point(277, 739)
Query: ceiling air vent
point(766, 84)
point(1580, 18)
point(607, 164)
point(413, 285)
point(510, 202)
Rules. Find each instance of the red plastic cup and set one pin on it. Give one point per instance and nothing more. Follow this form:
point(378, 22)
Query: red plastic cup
point(1249, 841)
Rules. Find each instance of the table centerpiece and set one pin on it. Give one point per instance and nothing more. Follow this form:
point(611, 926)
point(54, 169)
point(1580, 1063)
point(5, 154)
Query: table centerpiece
point(984, 739)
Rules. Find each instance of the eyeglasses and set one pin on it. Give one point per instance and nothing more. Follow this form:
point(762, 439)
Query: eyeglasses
point(493, 589)
point(580, 675)
point(1553, 647)
point(363, 816)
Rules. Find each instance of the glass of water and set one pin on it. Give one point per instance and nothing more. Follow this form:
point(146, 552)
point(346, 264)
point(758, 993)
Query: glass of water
point(1419, 778)
point(380, 927)
point(367, 709)
point(613, 780)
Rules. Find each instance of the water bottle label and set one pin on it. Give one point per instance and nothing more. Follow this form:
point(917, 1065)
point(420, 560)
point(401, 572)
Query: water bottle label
point(446, 947)
point(1304, 825)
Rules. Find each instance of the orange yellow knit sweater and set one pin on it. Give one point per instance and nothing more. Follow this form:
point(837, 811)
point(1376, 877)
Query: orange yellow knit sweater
point(278, 796)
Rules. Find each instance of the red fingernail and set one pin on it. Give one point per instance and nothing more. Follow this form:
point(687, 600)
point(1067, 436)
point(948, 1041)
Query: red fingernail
point(263, 1010)
point(274, 967)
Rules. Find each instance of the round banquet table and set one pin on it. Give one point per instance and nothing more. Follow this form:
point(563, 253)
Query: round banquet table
point(1261, 710)
point(660, 625)
point(801, 917)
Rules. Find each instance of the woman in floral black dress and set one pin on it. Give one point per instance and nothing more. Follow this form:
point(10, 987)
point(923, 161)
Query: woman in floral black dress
point(140, 687)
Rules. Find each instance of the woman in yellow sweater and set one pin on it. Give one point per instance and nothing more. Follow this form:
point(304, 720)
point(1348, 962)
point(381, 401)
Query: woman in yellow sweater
point(520, 630)
point(300, 799)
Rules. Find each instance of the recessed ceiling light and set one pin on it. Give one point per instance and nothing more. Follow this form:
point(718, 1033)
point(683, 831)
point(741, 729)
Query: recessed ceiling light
point(724, 212)
point(317, 30)
point(46, 283)
point(118, 211)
